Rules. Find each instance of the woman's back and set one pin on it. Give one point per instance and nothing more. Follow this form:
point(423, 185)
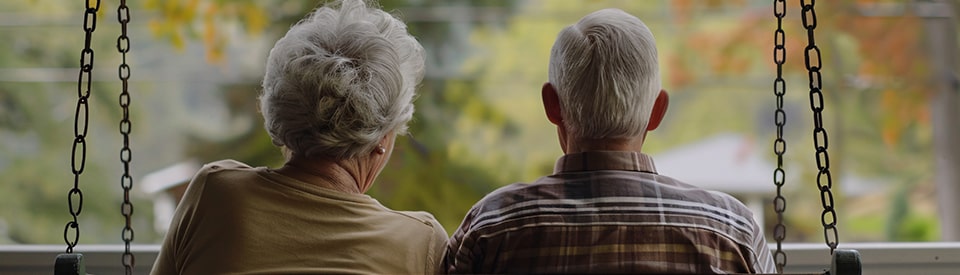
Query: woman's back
point(238, 219)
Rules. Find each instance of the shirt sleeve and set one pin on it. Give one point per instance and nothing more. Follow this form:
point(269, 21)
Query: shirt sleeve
point(764, 261)
point(170, 259)
point(437, 247)
point(164, 263)
point(459, 257)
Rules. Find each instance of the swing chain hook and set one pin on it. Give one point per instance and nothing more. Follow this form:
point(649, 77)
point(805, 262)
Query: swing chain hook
point(126, 181)
point(78, 154)
point(813, 62)
point(779, 145)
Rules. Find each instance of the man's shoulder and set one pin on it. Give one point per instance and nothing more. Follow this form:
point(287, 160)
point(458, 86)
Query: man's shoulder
point(676, 189)
point(652, 189)
point(503, 200)
point(513, 193)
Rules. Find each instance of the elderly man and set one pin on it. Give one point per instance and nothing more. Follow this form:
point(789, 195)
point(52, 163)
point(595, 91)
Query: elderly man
point(605, 209)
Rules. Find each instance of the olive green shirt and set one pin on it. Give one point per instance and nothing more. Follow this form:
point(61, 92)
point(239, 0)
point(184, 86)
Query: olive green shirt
point(235, 219)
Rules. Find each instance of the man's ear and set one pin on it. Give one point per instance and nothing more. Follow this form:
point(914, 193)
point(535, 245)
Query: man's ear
point(551, 104)
point(659, 110)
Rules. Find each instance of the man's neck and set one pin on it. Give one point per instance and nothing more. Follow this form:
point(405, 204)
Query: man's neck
point(633, 144)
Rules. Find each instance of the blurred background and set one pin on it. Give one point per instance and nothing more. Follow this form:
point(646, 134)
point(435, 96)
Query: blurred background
point(196, 67)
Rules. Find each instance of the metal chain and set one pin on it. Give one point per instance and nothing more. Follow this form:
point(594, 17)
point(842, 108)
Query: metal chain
point(81, 118)
point(824, 182)
point(126, 181)
point(779, 145)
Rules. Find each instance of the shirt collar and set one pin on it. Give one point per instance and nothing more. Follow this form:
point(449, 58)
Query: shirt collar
point(605, 160)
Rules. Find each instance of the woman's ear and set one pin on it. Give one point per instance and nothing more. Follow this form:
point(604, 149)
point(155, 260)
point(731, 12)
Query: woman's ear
point(659, 110)
point(551, 104)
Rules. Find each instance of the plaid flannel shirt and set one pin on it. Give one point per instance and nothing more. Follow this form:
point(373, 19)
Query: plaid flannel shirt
point(607, 212)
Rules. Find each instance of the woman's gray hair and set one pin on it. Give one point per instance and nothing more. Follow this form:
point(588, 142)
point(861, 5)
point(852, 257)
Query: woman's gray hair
point(605, 71)
point(340, 80)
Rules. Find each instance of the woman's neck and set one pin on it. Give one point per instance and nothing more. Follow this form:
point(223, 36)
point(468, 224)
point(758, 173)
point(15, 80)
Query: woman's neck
point(333, 175)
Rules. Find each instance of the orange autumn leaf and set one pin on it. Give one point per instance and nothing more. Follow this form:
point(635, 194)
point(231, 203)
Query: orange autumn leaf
point(682, 10)
point(889, 122)
point(680, 74)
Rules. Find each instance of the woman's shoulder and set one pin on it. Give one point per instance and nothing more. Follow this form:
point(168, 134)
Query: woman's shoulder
point(424, 225)
point(421, 221)
point(223, 164)
point(213, 169)
point(418, 217)
point(222, 174)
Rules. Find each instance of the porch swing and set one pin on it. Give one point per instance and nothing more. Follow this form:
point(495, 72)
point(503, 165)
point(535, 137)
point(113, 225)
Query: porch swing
point(70, 262)
point(843, 261)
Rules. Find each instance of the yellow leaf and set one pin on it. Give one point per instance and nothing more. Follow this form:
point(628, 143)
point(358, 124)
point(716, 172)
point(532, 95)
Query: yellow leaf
point(151, 4)
point(177, 39)
point(256, 19)
point(170, 8)
point(190, 9)
point(215, 54)
point(155, 27)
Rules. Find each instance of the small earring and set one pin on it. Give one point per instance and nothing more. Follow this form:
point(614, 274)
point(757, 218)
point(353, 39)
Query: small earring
point(381, 150)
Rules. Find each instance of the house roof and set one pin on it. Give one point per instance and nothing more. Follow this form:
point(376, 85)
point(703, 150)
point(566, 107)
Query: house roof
point(169, 177)
point(735, 163)
point(727, 162)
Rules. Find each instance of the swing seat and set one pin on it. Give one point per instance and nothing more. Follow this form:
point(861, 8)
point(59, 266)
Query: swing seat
point(843, 262)
point(69, 264)
point(846, 261)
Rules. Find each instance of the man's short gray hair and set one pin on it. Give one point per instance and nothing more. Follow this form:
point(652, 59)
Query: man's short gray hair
point(605, 71)
point(340, 80)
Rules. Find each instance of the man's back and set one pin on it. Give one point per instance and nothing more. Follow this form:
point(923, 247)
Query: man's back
point(607, 212)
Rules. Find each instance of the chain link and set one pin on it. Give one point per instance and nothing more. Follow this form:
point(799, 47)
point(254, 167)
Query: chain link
point(81, 117)
point(779, 145)
point(126, 181)
point(824, 181)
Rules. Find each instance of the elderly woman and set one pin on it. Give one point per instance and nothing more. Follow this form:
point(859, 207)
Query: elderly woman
point(338, 89)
